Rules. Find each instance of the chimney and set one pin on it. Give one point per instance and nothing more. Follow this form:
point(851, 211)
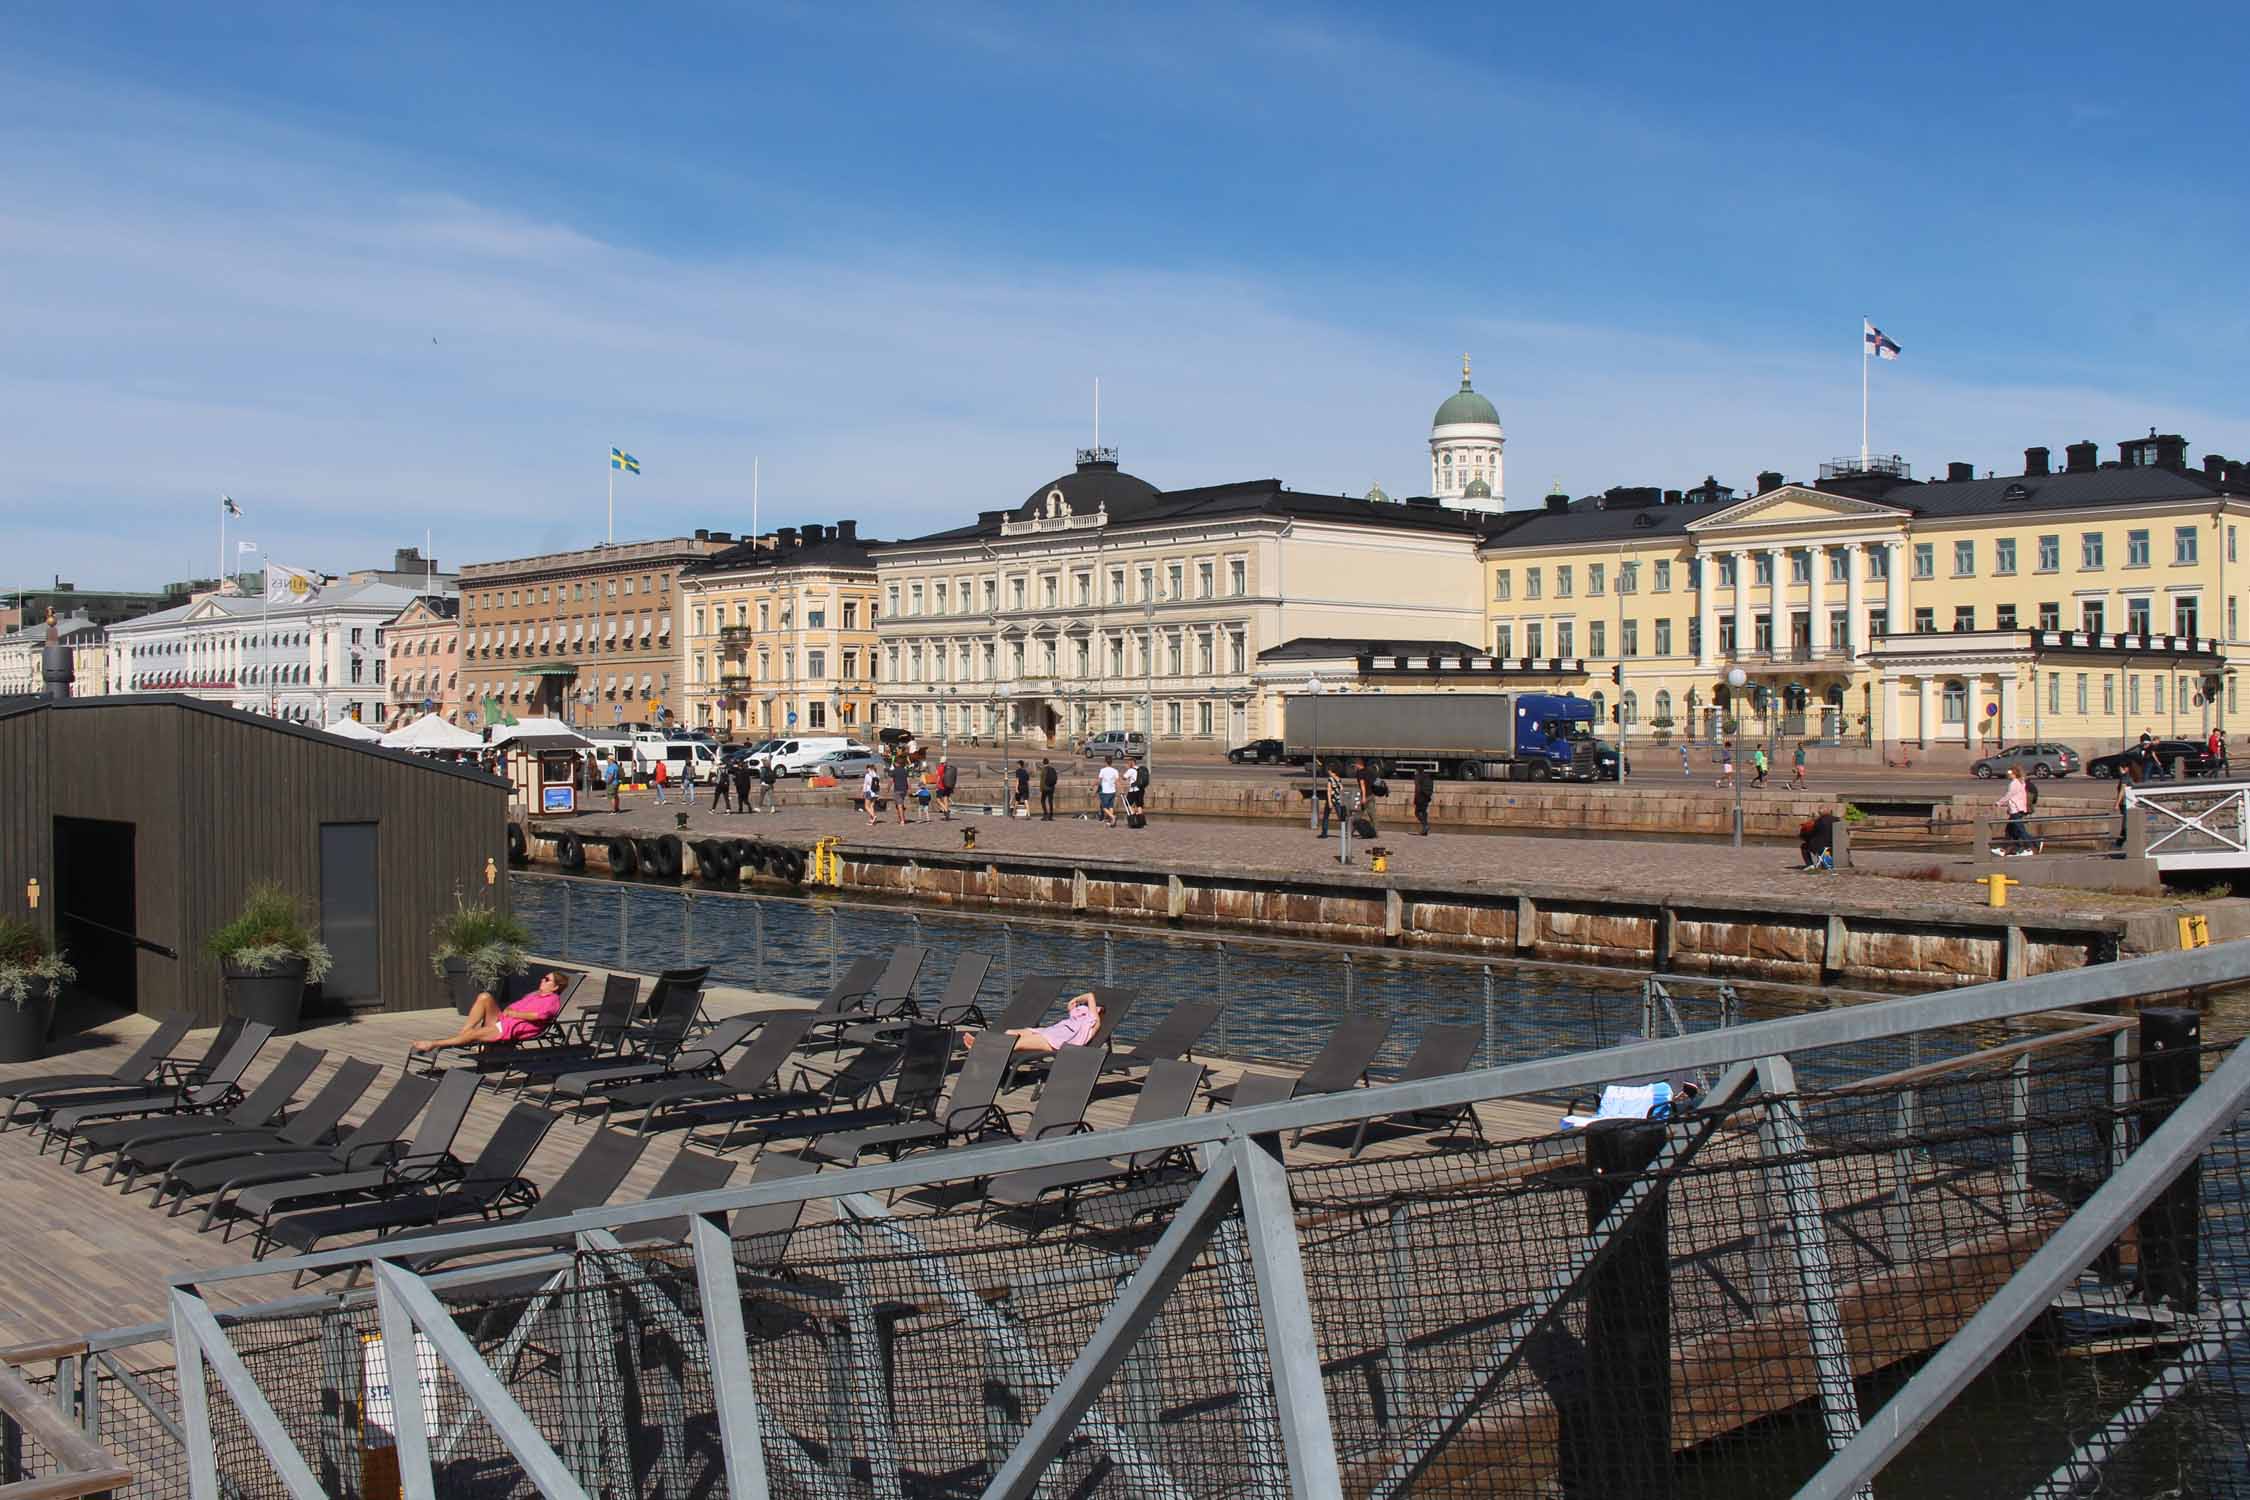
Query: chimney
point(2082, 458)
point(2214, 467)
point(784, 538)
point(2034, 461)
point(1769, 481)
point(1558, 502)
point(1960, 473)
point(847, 531)
point(55, 664)
point(2171, 451)
point(702, 535)
point(1671, 497)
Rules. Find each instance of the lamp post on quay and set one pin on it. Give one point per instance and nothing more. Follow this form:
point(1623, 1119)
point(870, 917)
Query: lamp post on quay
point(1736, 677)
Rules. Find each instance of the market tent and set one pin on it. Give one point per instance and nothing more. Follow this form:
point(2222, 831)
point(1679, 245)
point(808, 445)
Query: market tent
point(352, 729)
point(539, 734)
point(431, 732)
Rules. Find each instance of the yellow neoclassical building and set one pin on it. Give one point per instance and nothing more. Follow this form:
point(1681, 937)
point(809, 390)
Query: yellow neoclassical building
point(2082, 604)
point(781, 634)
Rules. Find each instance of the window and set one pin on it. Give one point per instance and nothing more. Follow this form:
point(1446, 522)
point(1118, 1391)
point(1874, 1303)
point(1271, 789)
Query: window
point(2004, 617)
point(2183, 545)
point(1172, 575)
point(816, 619)
point(1727, 636)
point(1116, 656)
point(991, 594)
point(2004, 555)
point(1238, 577)
point(1238, 652)
point(1597, 638)
point(2050, 553)
point(1878, 562)
point(1800, 567)
point(1566, 639)
point(1964, 617)
point(1531, 583)
point(1925, 559)
point(1954, 703)
point(2230, 558)
point(1503, 585)
point(1664, 637)
point(892, 596)
point(1629, 638)
point(1082, 589)
point(1629, 708)
point(1839, 630)
point(1534, 643)
point(816, 663)
point(1172, 720)
point(1729, 570)
point(1117, 585)
point(1596, 577)
point(851, 614)
point(1203, 575)
point(1925, 621)
point(851, 665)
point(2091, 616)
point(2232, 633)
point(2187, 615)
point(1504, 642)
point(1628, 578)
point(1762, 632)
point(2233, 705)
point(1015, 593)
point(2089, 549)
point(628, 588)
point(1761, 569)
point(1663, 708)
point(1839, 566)
point(1562, 584)
point(1148, 584)
point(1964, 559)
point(2136, 548)
point(2132, 692)
point(2082, 708)
point(1664, 575)
point(1203, 719)
point(2136, 617)
point(2109, 694)
point(816, 714)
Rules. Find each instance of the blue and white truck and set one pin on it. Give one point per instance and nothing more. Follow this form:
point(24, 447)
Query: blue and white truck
point(1469, 736)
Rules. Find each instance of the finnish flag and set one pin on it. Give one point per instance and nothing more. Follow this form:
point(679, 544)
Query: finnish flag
point(1878, 343)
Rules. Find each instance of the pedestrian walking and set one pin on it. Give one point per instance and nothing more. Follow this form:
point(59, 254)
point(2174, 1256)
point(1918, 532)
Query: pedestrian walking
point(1136, 793)
point(1726, 772)
point(949, 777)
point(922, 794)
point(742, 778)
point(1425, 787)
point(658, 778)
point(1023, 789)
point(2128, 777)
point(871, 793)
point(901, 773)
point(1047, 779)
point(1105, 789)
point(1759, 765)
point(2015, 802)
point(613, 777)
point(1797, 766)
point(1330, 796)
point(768, 775)
point(719, 788)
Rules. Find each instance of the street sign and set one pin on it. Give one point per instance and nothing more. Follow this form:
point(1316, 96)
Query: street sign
point(792, 718)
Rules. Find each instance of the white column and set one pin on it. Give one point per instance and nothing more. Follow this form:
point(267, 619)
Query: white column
point(1777, 584)
point(1855, 625)
point(1888, 729)
point(1816, 599)
point(1928, 722)
point(1707, 611)
point(1894, 590)
point(1742, 635)
point(2010, 729)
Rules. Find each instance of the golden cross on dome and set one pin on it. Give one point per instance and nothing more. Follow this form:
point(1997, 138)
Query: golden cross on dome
point(1464, 372)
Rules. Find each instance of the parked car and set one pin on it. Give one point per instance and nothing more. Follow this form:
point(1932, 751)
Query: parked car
point(1256, 753)
point(847, 765)
point(2033, 760)
point(1117, 742)
point(2173, 758)
point(795, 756)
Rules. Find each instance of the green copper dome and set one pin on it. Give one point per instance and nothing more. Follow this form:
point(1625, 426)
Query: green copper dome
point(1477, 490)
point(1466, 405)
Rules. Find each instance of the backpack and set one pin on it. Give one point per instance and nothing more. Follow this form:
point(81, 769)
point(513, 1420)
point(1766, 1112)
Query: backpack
point(2031, 796)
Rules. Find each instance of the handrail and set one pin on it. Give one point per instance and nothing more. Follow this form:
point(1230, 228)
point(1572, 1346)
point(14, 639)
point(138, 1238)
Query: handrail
point(85, 1467)
point(2008, 1052)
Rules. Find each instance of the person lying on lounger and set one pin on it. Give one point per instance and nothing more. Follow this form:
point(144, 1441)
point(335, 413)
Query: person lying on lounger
point(1073, 1030)
point(488, 1021)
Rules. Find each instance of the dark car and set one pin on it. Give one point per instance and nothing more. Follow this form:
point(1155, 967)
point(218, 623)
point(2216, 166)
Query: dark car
point(2173, 758)
point(1256, 753)
point(2041, 761)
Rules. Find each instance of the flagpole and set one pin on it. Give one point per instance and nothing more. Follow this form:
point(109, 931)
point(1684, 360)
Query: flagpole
point(753, 503)
point(610, 538)
point(1863, 394)
point(265, 623)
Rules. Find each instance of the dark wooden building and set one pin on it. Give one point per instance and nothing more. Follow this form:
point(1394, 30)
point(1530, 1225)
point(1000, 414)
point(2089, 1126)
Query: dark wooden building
point(147, 817)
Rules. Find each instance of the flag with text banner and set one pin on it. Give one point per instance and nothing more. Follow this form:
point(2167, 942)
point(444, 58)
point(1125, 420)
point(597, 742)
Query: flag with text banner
point(291, 585)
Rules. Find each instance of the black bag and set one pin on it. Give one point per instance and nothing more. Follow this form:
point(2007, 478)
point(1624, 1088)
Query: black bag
point(1363, 828)
point(1136, 819)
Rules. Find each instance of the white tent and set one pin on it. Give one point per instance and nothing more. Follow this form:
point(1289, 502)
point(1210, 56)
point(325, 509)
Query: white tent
point(352, 729)
point(431, 732)
point(539, 734)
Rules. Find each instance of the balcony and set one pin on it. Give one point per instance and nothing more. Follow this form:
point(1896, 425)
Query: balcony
point(734, 637)
point(734, 682)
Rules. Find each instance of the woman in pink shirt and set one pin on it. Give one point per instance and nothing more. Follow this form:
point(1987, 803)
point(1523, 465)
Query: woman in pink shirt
point(488, 1022)
point(2016, 804)
point(1073, 1030)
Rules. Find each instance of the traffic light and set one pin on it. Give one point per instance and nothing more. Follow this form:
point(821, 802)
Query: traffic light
point(1617, 674)
point(1616, 716)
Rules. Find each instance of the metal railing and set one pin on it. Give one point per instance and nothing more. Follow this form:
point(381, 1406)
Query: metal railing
point(2202, 825)
point(794, 1378)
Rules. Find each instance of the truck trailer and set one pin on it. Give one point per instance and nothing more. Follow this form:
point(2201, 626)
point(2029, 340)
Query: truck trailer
point(1469, 736)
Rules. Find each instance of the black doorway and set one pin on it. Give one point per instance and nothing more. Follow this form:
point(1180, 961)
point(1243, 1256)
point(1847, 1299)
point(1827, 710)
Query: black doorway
point(350, 918)
point(94, 916)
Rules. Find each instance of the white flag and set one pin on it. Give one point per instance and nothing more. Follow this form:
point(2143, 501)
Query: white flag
point(290, 585)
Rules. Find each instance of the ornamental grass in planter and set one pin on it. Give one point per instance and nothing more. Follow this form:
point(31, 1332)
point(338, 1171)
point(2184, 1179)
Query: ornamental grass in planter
point(268, 954)
point(31, 972)
point(477, 947)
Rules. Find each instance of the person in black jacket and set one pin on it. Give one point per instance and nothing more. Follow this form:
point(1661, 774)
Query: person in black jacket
point(1425, 787)
point(741, 774)
point(1047, 780)
point(1023, 788)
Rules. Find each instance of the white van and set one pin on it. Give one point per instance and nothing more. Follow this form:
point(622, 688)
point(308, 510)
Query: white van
point(651, 746)
point(795, 757)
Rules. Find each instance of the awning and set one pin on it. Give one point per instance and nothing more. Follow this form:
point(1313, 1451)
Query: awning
point(553, 669)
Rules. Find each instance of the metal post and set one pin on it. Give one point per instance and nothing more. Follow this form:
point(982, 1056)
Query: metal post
point(624, 930)
point(832, 947)
point(402, 1366)
point(2120, 1099)
point(758, 916)
point(1489, 1059)
point(1618, 1441)
point(2171, 1066)
point(1803, 1222)
point(2019, 1139)
point(1292, 1346)
point(719, 1293)
point(1007, 958)
point(1109, 957)
point(687, 929)
point(1351, 982)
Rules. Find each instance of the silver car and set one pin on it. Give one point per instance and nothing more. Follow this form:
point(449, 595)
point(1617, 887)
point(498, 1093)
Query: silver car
point(2039, 761)
point(846, 766)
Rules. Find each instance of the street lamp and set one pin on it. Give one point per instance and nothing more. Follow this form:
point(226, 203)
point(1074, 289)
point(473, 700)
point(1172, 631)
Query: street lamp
point(1320, 785)
point(1736, 677)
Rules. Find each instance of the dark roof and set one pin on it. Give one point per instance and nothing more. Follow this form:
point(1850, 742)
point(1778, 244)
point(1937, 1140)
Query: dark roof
point(1132, 502)
point(1322, 647)
point(1588, 520)
point(828, 552)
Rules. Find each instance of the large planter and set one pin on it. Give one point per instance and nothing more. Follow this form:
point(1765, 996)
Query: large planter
point(24, 1028)
point(459, 985)
point(274, 994)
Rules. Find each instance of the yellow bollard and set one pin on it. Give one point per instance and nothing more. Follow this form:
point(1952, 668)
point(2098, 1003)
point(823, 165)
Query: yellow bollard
point(2195, 931)
point(1997, 884)
point(1379, 860)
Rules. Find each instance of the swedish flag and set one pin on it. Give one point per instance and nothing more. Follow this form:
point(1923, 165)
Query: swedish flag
point(620, 459)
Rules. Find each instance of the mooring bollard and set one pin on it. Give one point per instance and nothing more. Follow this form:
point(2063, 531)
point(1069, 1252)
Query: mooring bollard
point(2171, 1067)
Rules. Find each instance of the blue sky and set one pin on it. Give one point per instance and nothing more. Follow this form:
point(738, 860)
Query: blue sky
point(382, 272)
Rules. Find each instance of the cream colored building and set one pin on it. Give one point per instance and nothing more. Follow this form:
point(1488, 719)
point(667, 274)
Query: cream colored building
point(423, 647)
point(781, 634)
point(2081, 605)
point(1101, 602)
point(23, 657)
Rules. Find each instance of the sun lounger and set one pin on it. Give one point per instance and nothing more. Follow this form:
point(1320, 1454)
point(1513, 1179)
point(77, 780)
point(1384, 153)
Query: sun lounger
point(850, 1088)
point(1442, 1051)
point(1171, 1038)
point(969, 1111)
point(957, 1006)
point(753, 1072)
point(368, 1144)
point(1166, 1095)
point(592, 1178)
point(925, 1057)
point(166, 1073)
point(30, 1096)
point(1116, 1005)
point(1159, 1194)
point(490, 1057)
point(427, 1158)
point(262, 1106)
point(209, 1091)
point(307, 1129)
point(696, 1059)
point(654, 1042)
point(1341, 1063)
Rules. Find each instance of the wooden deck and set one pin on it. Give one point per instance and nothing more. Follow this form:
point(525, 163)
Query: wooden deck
point(81, 1258)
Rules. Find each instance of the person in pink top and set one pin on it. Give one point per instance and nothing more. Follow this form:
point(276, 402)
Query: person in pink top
point(1074, 1030)
point(487, 1021)
point(2015, 802)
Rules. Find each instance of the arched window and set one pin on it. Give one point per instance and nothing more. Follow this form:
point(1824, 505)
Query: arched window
point(1630, 707)
point(1601, 709)
point(1956, 706)
point(1663, 707)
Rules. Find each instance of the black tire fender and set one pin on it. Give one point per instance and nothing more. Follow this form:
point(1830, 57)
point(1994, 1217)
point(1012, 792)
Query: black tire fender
point(570, 851)
point(624, 857)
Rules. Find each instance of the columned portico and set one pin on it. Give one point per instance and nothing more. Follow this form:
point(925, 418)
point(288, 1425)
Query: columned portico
point(1925, 686)
point(1855, 604)
point(1816, 601)
point(1707, 613)
point(1777, 606)
point(1743, 633)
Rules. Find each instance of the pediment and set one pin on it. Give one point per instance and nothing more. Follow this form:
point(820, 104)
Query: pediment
point(1794, 505)
point(205, 609)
